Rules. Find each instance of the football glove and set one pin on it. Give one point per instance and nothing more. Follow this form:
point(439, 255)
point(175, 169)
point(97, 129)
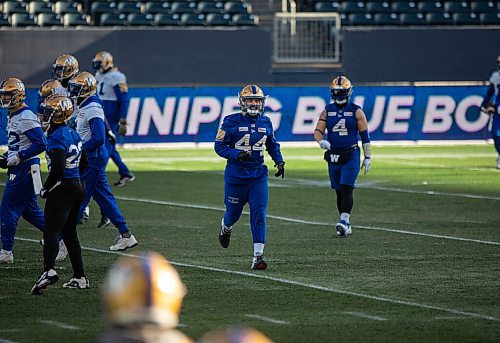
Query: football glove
point(366, 165)
point(281, 169)
point(324, 144)
point(122, 127)
point(3, 161)
point(244, 156)
point(111, 137)
point(489, 109)
point(44, 193)
point(13, 160)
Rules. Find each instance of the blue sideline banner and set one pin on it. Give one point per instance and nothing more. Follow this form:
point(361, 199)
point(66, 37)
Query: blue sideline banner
point(193, 114)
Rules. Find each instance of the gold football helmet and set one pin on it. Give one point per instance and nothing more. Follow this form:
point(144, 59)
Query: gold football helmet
point(143, 290)
point(102, 61)
point(47, 88)
point(56, 109)
point(235, 335)
point(82, 86)
point(64, 68)
point(12, 93)
point(252, 92)
point(341, 89)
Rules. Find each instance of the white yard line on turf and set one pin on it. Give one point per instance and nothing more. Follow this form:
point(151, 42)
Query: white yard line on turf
point(60, 325)
point(299, 283)
point(364, 315)
point(6, 341)
point(301, 221)
point(267, 319)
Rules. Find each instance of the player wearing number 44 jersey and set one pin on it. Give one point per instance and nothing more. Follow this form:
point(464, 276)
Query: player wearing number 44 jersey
point(25, 141)
point(344, 120)
point(242, 139)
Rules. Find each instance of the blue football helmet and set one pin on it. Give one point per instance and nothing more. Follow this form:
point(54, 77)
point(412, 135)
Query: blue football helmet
point(341, 89)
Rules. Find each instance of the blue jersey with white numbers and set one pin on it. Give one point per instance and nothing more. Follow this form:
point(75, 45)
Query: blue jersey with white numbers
point(342, 125)
point(253, 134)
point(65, 138)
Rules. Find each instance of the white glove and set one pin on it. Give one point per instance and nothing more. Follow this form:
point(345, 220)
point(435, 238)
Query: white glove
point(13, 160)
point(366, 165)
point(324, 144)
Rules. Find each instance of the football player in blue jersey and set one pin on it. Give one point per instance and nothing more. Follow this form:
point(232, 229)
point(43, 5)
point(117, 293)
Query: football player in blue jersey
point(241, 140)
point(25, 141)
point(63, 191)
point(344, 121)
point(91, 128)
point(491, 106)
point(113, 91)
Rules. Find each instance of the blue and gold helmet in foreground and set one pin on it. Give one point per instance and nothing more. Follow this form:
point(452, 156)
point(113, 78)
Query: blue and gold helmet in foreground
point(64, 68)
point(252, 92)
point(82, 86)
point(56, 109)
point(12, 93)
point(143, 290)
point(235, 335)
point(103, 61)
point(340, 89)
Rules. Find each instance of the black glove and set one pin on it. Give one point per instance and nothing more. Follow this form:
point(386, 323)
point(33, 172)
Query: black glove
point(44, 193)
point(111, 137)
point(244, 156)
point(326, 156)
point(281, 170)
point(3, 161)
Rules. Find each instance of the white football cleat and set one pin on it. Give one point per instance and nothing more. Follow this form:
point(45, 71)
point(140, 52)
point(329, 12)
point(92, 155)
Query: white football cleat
point(498, 162)
point(47, 278)
point(74, 283)
point(63, 252)
point(6, 256)
point(343, 229)
point(123, 243)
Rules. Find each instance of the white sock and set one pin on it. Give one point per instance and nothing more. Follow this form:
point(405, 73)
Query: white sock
point(258, 249)
point(345, 216)
point(9, 252)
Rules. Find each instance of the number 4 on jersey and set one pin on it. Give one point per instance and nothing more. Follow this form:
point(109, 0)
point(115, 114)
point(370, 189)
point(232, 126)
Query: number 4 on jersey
point(244, 143)
point(340, 127)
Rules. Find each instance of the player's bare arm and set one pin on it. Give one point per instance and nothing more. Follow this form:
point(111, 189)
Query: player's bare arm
point(365, 138)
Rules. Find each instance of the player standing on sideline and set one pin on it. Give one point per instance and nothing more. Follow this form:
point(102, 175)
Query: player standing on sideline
point(113, 91)
point(242, 139)
point(491, 105)
point(63, 191)
point(344, 120)
point(142, 301)
point(90, 127)
point(25, 141)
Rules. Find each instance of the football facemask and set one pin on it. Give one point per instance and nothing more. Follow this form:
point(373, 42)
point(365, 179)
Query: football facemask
point(12, 93)
point(341, 89)
point(252, 100)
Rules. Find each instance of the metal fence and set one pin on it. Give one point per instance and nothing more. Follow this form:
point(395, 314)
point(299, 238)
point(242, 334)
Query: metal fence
point(306, 38)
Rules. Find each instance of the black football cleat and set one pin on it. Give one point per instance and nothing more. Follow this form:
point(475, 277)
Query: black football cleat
point(224, 235)
point(258, 263)
point(104, 222)
point(46, 279)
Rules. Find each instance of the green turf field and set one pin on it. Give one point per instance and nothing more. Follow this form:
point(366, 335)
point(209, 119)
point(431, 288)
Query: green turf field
point(422, 264)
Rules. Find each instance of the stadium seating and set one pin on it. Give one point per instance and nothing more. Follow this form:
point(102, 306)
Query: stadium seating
point(48, 19)
point(239, 12)
point(411, 12)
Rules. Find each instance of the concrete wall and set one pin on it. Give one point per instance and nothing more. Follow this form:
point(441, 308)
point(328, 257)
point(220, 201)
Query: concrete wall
point(233, 57)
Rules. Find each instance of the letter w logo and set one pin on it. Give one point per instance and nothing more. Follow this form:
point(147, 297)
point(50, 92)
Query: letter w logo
point(334, 158)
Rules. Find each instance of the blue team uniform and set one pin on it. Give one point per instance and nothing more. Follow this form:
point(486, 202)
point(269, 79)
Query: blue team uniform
point(342, 127)
point(91, 128)
point(65, 138)
point(246, 181)
point(19, 199)
point(112, 91)
point(493, 95)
